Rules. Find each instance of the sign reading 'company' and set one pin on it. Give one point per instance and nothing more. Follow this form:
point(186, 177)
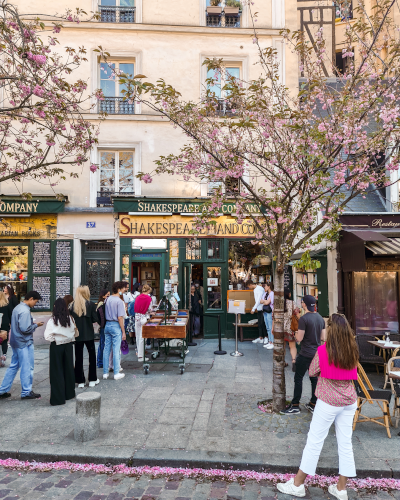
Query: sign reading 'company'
point(18, 207)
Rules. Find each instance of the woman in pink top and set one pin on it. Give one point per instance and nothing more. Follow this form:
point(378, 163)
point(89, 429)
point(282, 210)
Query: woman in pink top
point(141, 308)
point(336, 365)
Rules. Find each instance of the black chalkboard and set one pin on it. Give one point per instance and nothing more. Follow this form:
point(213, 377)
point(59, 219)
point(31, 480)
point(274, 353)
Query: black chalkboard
point(63, 286)
point(41, 257)
point(41, 284)
point(63, 257)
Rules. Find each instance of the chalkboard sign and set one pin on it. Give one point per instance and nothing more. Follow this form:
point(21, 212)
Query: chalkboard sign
point(63, 286)
point(288, 278)
point(41, 284)
point(41, 257)
point(63, 257)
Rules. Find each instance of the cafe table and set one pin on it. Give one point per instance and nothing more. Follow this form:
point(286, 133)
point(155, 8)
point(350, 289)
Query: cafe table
point(386, 346)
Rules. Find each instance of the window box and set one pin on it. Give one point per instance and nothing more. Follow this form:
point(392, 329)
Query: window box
point(231, 11)
point(214, 11)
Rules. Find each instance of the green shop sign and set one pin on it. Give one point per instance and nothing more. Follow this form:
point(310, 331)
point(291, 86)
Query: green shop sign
point(177, 206)
point(37, 205)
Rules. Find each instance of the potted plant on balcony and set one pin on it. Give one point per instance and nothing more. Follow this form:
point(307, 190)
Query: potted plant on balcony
point(232, 7)
point(214, 9)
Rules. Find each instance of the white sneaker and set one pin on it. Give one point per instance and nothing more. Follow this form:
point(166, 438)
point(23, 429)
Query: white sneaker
point(105, 376)
point(119, 375)
point(81, 386)
point(94, 383)
point(268, 346)
point(266, 340)
point(120, 370)
point(342, 494)
point(290, 489)
point(141, 360)
point(258, 341)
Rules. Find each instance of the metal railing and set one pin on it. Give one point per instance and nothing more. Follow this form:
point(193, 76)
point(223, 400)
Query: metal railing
point(224, 108)
point(116, 106)
point(223, 20)
point(113, 14)
point(104, 197)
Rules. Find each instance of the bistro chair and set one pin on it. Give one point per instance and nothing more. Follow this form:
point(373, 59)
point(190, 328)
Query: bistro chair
point(393, 372)
point(367, 352)
point(367, 394)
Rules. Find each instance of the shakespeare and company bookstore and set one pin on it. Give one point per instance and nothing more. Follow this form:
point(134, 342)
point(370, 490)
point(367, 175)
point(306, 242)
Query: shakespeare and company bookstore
point(158, 248)
point(31, 256)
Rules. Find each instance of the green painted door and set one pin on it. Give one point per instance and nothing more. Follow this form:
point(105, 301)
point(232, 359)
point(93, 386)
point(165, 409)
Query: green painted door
point(214, 297)
point(187, 279)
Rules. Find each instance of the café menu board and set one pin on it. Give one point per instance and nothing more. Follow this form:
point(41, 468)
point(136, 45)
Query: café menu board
point(42, 285)
point(63, 286)
point(41, 257)
point(63, 257)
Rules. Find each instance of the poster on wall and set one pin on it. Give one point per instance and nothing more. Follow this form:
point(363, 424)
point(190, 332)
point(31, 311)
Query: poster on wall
point(63, 286)
point(212, 281)
point(63, 257)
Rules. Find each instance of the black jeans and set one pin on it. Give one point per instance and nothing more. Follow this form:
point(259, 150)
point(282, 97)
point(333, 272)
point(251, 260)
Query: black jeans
point(4, 346)
point(62, 377)
point(262, 330)
point(79, 373)
point(302, 365)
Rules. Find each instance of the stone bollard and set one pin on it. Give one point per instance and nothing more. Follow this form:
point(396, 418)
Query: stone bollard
point(87, 419)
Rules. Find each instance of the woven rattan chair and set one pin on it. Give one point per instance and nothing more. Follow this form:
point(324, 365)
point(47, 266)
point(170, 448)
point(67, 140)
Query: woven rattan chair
point(367, 394)
point(367, 352)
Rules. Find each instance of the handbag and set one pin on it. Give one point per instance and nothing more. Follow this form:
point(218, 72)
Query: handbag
point(3, 334)
point(294, 324)
point(268, 308)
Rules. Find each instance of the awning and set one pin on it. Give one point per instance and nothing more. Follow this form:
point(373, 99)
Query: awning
point(388, 247)
point(352, 248)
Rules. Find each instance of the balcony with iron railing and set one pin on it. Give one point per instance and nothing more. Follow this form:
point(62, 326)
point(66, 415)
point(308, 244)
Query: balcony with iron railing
point(222, 19)
point(117, 14)
point(104, 197)
point(116, 106)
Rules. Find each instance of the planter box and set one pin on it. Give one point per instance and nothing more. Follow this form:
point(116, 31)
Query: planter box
point(214, 11)
point(231, 11)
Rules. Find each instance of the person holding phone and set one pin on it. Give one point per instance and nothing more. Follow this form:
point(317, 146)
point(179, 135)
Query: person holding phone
point(21, 341)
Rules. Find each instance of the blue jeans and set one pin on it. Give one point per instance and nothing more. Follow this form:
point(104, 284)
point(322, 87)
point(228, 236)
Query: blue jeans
point(21, 359)
point(100, 349)
point(113, 339)
point(268, 325)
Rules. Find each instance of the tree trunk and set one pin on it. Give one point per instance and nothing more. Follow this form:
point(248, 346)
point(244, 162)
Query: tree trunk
point(278, 383)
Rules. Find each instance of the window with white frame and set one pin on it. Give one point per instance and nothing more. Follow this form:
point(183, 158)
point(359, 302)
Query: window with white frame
point(117, 172)
point(113, 102)
point(216, 88)
point(117, 11)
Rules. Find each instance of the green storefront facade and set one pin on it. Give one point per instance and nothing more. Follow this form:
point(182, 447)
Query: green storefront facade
point(31, 256)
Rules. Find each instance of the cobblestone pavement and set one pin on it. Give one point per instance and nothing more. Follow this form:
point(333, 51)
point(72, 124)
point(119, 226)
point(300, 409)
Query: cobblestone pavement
point(65, 485)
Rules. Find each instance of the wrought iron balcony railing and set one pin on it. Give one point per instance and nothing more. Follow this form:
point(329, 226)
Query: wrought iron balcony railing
point(224, 108)
point(113, 14)
point(104, 197)
point(116, 106)
point(223, 20)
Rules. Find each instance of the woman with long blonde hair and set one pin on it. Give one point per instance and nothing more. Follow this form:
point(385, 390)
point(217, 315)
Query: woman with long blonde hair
point(84, 314)
point(6, 311)
point(335, 364)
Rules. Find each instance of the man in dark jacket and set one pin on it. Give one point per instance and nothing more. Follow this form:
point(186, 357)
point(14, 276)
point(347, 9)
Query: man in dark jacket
point(21, 341)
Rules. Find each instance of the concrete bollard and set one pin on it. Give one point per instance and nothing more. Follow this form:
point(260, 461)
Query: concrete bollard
point(87, 419)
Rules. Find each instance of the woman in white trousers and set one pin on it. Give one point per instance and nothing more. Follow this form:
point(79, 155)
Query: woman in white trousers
point(336, 365)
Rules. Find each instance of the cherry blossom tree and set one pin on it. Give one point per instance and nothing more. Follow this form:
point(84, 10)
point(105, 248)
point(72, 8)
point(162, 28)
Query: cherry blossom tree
point(42, 130)
point(300, 154)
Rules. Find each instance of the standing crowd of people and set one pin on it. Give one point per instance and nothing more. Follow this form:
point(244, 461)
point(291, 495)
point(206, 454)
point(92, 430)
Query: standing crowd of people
point(117, 313)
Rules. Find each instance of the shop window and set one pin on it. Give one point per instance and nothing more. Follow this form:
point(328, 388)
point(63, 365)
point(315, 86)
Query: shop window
point(14, 268)
point(376, 302)
point(246, 263)
point(214, 249)
point(125, 268)
point(173, 261)
point(193, 249)
point(214, 288)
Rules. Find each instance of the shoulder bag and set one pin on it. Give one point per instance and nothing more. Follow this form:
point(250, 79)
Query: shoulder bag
point(268, 308)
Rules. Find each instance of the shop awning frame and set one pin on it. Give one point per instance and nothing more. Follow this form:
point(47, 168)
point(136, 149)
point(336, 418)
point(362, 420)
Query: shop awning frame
point(352, 248)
